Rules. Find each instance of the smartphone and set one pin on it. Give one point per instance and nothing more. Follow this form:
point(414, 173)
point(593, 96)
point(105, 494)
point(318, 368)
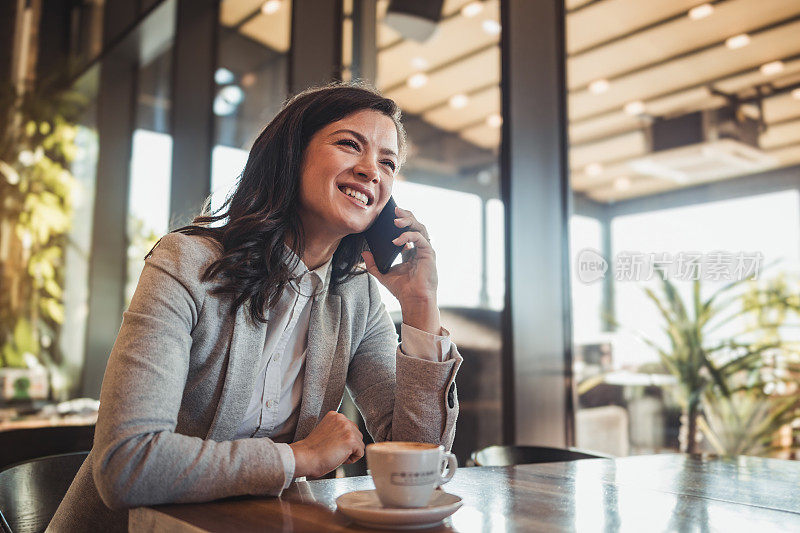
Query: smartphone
point(380, 236)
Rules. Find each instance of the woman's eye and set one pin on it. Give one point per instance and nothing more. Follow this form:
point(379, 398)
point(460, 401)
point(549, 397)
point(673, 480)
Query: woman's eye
point(390, 164)
point(349, 142)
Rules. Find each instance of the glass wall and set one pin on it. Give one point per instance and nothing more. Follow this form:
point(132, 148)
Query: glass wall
point(447, 85)
point(151, 162)
point(251, 80)
point(77, 251)
point(684, 130)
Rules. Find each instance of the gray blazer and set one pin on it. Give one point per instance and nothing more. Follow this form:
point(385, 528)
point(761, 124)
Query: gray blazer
point(181, 373)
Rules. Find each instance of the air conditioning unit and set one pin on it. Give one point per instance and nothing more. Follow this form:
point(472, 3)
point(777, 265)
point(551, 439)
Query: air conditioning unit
point(704, 146)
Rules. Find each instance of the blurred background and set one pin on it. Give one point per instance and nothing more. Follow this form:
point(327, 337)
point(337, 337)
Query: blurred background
point(540, 132)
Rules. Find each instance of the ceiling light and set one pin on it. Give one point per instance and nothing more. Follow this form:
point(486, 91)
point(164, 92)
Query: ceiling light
point(417, 80)
point(232, 93)
point(472, 9)
point(738, 41)
point(271, 6)
point(623, 183)
point(494, 120)
point(223, 76)
point(593, 169)
point(701, 11)
point(635, 108)
point(771, 68)
point(227, 100)
point(458, 101)
point(492, 27)
point(599, 86)
point(419, 63)
point(223, 108)
point(796, 94)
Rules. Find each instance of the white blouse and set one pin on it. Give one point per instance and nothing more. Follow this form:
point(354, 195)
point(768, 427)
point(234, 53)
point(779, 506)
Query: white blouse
point(275, 404)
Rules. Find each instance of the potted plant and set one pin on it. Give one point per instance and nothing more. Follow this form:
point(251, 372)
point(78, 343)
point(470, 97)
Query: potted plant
point(706, 368)
point(37, 143)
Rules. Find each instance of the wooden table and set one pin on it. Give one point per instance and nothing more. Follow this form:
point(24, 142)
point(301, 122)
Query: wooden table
point(645, 493)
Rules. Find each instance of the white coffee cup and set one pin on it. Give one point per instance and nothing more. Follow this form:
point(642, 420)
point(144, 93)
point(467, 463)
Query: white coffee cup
point(406, 473)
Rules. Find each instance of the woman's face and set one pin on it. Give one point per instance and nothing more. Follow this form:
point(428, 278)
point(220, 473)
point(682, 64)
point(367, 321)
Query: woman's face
point(347, 174)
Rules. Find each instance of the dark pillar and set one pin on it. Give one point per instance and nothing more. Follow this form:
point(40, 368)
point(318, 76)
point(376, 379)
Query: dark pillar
point(537, 327)
point(315, 57)
point(365, 40)
point(107, 266)
point(194, 62)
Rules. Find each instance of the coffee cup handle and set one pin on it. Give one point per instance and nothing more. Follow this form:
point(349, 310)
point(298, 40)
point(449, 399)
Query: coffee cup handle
point(452, 466)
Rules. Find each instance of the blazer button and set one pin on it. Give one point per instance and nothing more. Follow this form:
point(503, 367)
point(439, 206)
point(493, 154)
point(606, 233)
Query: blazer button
point(450, 399)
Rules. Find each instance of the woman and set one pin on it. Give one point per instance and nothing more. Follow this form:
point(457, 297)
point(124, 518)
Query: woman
point(246, 327)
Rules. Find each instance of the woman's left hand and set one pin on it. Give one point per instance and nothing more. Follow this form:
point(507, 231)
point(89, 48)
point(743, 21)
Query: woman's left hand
point(414, 281)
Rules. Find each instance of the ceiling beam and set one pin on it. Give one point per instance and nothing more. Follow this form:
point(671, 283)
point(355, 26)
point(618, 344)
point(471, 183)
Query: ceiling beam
point(583, 6)
point(438, 68)
point(705, 83)
point(688, 53)
point(636, 31)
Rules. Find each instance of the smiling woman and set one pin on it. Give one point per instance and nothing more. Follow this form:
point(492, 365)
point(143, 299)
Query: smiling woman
point(347, 176)
point(248, 324)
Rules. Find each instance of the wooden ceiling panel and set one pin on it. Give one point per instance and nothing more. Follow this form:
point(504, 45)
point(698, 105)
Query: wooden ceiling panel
point(480, 106)
point(609, 173)
point(273, 31)
point(638, 187)
point(609, 18)
point(627, 145)
point(682, 35)
point(710, 64)
point(231, 12)
point(781, 135)
point(455, 37)
point(781, 107)
point(736, 84)
point(588, 130)
point(483, 136)
point(462, 77)
point(574, 4)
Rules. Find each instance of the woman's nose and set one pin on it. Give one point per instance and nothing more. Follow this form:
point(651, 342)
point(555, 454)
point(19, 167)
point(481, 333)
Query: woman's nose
point(367, 170)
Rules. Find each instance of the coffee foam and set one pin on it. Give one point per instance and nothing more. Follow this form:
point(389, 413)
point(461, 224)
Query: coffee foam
point(401, 446)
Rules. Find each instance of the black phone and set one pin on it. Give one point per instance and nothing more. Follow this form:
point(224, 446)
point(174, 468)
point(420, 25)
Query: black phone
point(380, 236)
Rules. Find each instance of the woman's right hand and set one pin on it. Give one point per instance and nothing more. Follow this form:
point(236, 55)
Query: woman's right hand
point(335, 441)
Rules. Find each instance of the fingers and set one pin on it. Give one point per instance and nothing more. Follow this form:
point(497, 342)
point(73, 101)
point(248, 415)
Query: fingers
point(415, 237)
point(350, 434)
point(356, 454)
point(406, 219)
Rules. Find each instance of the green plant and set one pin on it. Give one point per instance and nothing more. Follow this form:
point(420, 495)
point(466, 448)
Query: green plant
point(765, 394)
point(37, 143)
point(705, 368)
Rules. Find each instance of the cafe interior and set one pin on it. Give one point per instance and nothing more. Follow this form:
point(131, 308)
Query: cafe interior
point(612, 189)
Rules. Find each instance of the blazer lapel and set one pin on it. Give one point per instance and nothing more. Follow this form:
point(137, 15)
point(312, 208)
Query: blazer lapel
point(323, 334)
point(247, 343)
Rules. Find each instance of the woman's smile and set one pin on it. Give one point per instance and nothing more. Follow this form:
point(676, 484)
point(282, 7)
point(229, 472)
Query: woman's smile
point(359, 198)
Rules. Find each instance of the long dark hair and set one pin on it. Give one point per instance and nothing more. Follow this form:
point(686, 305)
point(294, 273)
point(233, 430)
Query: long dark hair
point(262, 212)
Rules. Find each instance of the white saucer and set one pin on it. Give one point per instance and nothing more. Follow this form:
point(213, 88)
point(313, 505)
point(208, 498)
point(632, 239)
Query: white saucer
point(365, 508)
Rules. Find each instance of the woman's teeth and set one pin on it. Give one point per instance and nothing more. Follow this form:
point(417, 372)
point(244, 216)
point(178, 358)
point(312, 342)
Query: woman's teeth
point(360, 196)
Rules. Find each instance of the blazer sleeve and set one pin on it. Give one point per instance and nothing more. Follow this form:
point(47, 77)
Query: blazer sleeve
point(138, 458)
point(401, 397)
